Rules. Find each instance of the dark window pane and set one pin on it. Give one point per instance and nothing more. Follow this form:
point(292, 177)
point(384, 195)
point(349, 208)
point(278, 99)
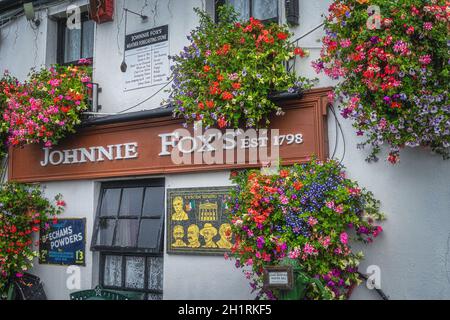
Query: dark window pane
point(265, 9)
point(88, 39)
point(110, 202)
point(106, 232)
point(131, 204)
point(72, 46)
point(155, 273)
point(126, 233)
point(113, 271)
point(149, 233)
point(242, 7)
point(154, 202)
point(134, 272)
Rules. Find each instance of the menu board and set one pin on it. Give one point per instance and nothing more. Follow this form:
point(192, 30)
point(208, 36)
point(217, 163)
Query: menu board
point(198, 221)
point(63, 243)
point(147, 58)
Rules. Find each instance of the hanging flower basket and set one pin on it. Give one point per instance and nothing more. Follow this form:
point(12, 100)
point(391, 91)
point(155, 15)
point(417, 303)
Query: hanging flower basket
point(46, 107)
point(393, 57)
point(224, 77)
point(23, 211)
point(306, 217)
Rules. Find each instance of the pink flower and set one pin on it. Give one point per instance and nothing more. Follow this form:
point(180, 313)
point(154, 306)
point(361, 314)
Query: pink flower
point(344, 238)
point(330, 204)
point(61, 203)
point(19, 275)
point(325, 242)
point(249, 262)
point(339, 208)
point(294, 254)
point(331, 97)
point(284, 200)
point(54, 82)
point(309, 249)
point(48, 144)
point(410, 30)
point(425, 59)
point(345, 43)
point(428, 26)
point(312, 221)
point(377, 231)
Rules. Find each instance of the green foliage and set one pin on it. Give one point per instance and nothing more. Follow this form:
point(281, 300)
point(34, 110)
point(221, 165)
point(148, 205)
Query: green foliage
point(307, 214)
point(225, 75)
point(23, 210)
point(395, 75)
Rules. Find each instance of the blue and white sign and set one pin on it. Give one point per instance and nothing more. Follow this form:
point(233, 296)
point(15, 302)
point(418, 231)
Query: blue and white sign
point(64, 243)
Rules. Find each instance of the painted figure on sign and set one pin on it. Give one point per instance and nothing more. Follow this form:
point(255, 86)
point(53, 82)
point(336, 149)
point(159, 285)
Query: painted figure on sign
point(178, 235)
point(208, 233)
point(179, 214)
point(225, 237)
point(193, 233)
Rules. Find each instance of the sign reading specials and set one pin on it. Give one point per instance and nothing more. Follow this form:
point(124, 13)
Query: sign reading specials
point(161, 145)
point(147, 58)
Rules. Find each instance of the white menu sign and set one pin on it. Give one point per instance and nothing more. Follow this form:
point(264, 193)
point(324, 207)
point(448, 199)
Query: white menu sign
point(147, 57)
point(278, 278)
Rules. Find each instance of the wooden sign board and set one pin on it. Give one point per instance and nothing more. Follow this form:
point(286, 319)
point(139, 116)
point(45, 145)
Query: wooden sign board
point(143, 147)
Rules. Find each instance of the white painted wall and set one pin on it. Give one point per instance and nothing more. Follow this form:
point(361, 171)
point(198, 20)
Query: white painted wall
point(412, 252)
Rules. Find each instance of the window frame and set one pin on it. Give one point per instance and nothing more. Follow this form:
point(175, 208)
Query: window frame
point(61, 40)
point(219, 3)
point(123, 256)
point(147, 183)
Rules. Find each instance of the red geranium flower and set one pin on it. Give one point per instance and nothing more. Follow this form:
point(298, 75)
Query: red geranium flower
point(299, 52)
point(222, 122)
point(227, 96)
point(282, 36)
point(210, 104)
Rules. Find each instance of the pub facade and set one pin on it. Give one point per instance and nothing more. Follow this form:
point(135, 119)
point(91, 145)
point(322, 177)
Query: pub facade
point(140, 219)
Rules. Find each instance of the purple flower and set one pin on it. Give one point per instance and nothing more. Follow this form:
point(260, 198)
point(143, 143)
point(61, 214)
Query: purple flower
point(260, 242)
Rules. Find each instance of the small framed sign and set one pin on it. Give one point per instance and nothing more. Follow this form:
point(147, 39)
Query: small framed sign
point(197, 221)
point(278, 277)
point(63, 243)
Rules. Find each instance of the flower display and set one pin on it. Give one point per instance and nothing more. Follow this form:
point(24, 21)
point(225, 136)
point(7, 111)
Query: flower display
point(395, 66)
point(44, 108)
point(23, 210)
point(308, 213)
point(225, 75)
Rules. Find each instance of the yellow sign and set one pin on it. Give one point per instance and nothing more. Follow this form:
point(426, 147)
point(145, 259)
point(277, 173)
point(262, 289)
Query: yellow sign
point(197, 221)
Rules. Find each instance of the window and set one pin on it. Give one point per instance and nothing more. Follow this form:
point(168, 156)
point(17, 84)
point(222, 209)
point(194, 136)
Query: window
point(129, 234)
point(137, 273)
point(264, 10)
point(75, 44)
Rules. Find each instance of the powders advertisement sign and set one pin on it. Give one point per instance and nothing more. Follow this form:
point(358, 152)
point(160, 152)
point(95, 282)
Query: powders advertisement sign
point(63, 243)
